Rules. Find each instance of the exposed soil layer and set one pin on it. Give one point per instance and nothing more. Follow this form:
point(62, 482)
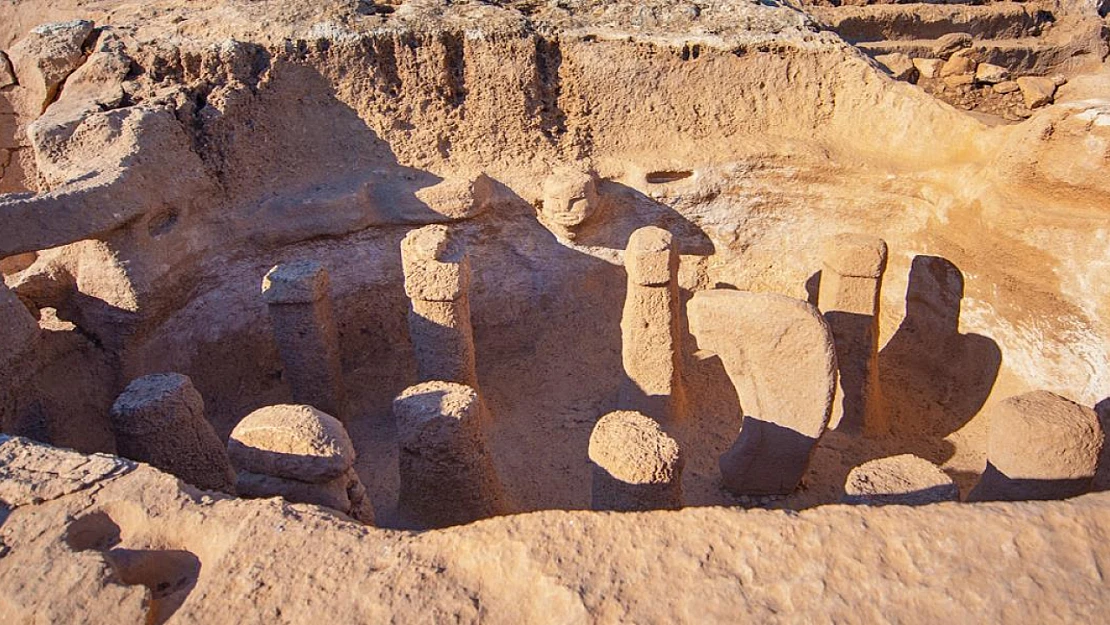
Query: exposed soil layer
point(171, 154)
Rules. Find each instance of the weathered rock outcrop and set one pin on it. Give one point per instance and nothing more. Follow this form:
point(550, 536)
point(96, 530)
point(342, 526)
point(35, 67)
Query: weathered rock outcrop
point(70, 521)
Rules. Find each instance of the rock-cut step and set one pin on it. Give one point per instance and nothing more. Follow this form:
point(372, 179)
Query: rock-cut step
point(878, 22)
point(1025, 55)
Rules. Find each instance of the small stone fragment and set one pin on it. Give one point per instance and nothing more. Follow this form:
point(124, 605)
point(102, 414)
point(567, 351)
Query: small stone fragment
point(1037, 90)
point(1006, 86)
point(900, 66)
point(957, 64)
point(7, 76)
point(959, 80)
point(928, 68)
point(990, 74)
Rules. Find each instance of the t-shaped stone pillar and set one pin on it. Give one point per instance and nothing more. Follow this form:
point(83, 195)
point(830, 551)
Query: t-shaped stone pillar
point(447, 475)
point(636, 466)
point(159, 419)
point(437, 280)
point(851, 279)
point(650, 326)
point(296, 294)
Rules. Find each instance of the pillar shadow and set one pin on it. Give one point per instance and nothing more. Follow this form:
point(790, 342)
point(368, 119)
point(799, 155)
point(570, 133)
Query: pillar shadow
point(994, 485)
point(713, 416)
point(933, 378)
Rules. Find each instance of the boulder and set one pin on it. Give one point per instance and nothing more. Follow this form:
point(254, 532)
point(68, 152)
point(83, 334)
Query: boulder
point(899, 65)
point(295, 442)
point(928, 68)
point(1037, 90)
point(959, 80)
point(1006, 86)
point(991, 74)
point(47, 55)
point(952, 42)
point(957, 65)
point(903, 480)
point(1039, 446)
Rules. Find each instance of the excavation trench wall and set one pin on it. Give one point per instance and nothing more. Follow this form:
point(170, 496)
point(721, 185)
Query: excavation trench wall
point(752, 150)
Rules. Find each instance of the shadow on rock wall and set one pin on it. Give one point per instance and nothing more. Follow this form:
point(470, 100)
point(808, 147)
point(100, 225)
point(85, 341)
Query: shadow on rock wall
point(933, 378)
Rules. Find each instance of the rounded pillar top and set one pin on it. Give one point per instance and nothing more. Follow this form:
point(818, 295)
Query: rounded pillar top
point(651, 258)
point(447, 405)
point(154, 402)
point(633, 449)
point(904, 479)
point(434, 264)
point(295, 442)
point(297, 282)
point(430, 243)
point(857, 255)
point(1040, 435)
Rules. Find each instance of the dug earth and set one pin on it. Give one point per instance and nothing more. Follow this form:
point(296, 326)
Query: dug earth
point(580, 311)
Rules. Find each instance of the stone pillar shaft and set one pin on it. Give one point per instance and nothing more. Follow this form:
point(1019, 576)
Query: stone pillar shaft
point(437, 281)
point(650, 326)
point(159, 419)
point(851, 280)
point(447, 474)
point(304, 329)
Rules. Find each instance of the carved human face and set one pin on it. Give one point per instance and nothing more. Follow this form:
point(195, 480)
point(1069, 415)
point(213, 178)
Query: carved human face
point(570, 198)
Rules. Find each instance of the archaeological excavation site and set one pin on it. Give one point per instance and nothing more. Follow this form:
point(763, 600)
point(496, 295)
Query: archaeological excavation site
point(568, 311)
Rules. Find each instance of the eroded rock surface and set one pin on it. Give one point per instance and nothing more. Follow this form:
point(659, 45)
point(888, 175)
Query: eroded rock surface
point(1013, 562)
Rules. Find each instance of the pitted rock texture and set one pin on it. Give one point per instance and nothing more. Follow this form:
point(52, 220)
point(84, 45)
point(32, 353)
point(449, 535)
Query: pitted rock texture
point(291, 441)
point(904, 480)
point(1017, 562)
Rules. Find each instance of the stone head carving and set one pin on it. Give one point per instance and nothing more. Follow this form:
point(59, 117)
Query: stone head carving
point(570, 198)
